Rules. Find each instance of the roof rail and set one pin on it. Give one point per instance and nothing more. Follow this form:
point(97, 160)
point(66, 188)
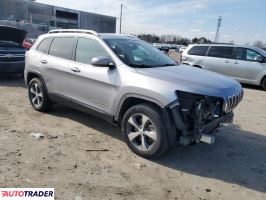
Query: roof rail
point(129, 35)
point(73, 31)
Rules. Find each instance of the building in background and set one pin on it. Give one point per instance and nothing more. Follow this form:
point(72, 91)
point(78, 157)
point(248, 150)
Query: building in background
point(37, 18)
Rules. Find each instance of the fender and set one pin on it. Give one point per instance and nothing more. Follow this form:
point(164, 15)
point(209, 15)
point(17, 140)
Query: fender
point(171, 130)
point(126, 96)
point(37, 74)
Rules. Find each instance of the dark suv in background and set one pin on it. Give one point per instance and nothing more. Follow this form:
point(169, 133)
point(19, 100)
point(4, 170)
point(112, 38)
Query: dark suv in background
point(12, 52)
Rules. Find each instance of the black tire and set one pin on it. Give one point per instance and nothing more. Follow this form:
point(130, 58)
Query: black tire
point(46, 104)
point(160, 144)
point(263, 83)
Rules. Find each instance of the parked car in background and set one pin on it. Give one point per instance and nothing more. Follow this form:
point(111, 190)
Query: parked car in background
point(126, 81)
point(182, 49)
point(12, 52)
point(243, 63)
point(166, 47)
point(162, 47)
point(28, 42)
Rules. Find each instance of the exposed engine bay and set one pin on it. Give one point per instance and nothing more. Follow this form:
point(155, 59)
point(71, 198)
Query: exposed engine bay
point(198, 110)
point(196, 116)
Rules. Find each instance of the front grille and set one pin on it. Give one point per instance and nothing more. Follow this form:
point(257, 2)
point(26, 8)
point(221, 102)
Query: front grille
point(233, 101)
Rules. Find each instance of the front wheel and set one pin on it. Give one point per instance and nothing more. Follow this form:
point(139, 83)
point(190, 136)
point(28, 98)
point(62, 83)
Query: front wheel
point(38, 96)
point(144, 130)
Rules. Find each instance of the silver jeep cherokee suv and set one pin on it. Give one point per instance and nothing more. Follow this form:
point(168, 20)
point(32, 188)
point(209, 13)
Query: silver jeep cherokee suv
point(126, 81)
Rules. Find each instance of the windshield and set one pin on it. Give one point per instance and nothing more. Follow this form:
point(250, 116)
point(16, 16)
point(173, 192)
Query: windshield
point(139, 54)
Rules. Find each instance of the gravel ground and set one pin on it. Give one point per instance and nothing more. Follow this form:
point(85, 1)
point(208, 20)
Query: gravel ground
point(83, 157)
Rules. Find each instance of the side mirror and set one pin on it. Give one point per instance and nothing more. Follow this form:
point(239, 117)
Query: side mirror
point(102, 61)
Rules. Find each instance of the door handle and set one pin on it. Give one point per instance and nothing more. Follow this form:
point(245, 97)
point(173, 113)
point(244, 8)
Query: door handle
point(75, 69)
point(237, 63)
point(228, 61)
point(43, 61)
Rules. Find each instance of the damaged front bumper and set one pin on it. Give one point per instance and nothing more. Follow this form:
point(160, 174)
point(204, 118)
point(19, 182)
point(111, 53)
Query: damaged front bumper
point(201, 134)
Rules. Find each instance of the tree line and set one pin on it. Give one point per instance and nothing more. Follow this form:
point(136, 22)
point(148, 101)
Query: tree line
point(173, 39)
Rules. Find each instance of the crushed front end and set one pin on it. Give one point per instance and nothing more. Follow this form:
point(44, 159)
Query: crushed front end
point(197, 116)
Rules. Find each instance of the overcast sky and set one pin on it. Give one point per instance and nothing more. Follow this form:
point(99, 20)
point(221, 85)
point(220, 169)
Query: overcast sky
point(244, 21)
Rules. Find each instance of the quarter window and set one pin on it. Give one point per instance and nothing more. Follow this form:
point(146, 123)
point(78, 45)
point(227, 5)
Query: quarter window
point(88, 49)
point(44, 45)
point(221, 52)
point(198, 50)
point(62, 47)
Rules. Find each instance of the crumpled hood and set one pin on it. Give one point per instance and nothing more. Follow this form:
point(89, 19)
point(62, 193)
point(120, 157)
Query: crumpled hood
point(12, 34)
point(194, 80)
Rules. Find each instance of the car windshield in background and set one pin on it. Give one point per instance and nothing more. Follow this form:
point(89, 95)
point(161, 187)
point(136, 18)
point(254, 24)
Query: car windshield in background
point(139, 54)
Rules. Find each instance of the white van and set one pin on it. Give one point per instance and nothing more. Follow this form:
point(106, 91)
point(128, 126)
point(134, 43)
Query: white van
point(243, 63)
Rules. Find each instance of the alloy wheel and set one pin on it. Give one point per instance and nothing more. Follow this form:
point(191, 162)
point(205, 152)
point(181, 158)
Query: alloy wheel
point(141, 132)
point(36, 95)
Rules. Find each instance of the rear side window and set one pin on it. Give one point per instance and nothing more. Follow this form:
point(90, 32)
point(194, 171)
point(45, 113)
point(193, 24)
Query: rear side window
point(88, 49)
point(44, 45)
point(221, 52)
point(198, 50)
point(62, 47)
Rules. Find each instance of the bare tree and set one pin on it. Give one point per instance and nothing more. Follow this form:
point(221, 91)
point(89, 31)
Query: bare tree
point(259, 44)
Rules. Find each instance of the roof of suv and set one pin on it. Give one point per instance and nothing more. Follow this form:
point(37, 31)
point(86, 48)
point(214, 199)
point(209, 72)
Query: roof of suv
point(90, 32)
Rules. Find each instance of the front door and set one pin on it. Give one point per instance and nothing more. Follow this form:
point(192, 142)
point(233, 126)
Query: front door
point(92, 86)
point(248, 66)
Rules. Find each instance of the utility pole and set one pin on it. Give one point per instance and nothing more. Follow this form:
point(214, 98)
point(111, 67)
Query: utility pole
point(121, 13)
point(218, 29)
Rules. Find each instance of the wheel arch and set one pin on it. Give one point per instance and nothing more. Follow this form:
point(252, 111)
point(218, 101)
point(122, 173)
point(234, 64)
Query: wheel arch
point(131, 100)
point(33, 74)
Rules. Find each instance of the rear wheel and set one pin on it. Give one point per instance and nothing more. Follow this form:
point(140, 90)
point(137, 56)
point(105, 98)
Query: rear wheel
point(38, 96)
point(144, 131)
point(263, 83)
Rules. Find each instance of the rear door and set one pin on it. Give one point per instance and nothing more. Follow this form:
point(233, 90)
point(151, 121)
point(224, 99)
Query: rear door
point(56, 65)
point(92, 86)
point(247, 65)
point(219, 59)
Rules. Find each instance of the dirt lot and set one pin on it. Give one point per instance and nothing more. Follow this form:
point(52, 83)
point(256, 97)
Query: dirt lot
point(85, 158)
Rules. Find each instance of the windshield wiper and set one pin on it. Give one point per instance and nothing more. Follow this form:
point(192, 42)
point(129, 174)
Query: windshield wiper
point(141, 66)
point(150, 66)
point(168, 64)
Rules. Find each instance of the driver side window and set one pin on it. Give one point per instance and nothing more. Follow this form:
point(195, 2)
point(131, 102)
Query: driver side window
point(253, 56)
point(248, 55)
point(88, 49)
